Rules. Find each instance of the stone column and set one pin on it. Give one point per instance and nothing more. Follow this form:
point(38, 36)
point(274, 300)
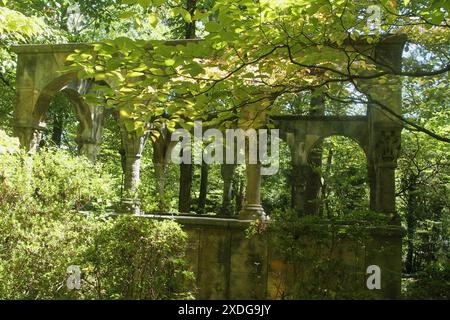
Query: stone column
point(386, 150)
point(89, 148)
point(26, 122)
point(252, 117)
point(385, 128)
point(313, 188)
point(90, 133)
point(296, 142)
point(252, 208)
point(91, 118)
point(132, 171)
point(132, 146)
point(298, 185)
point(29, 135)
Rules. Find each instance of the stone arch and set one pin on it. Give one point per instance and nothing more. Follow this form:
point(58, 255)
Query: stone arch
point(90, 117)
point(358, 140)
point(315, 191)
point(47, 93)
point(302, 133)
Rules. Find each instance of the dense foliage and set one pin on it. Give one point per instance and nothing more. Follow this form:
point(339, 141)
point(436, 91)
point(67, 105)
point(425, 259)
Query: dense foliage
point(251, 53)
point(43, 232)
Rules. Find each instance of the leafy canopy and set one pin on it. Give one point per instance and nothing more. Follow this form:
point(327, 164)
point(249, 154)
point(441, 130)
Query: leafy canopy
point(254, 52)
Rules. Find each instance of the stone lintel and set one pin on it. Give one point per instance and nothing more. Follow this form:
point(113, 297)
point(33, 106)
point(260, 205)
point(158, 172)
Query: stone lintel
point(298, 117)
point(70, 47)
point(202, 221)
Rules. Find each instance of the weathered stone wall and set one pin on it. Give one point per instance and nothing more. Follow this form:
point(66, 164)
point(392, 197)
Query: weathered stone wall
point(228, 265)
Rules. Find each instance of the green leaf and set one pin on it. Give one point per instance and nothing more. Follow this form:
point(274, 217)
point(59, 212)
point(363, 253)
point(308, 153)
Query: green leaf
point(183, 12)
point(212, 26)
point(194, 69)
point(153, 19)
point(200, 14)
point(144, 3)
point(134, 74)
point(126, 14)
point(169, 62)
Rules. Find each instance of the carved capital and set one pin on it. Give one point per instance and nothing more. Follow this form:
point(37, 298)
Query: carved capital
point(387, 146)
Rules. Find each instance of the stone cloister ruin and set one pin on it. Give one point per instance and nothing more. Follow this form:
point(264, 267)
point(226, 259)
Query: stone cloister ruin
point(226, 263)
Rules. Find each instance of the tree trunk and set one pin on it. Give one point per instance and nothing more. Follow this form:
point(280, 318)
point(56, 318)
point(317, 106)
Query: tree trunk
point(410, 228)
point(227, 172)
point(203, 188)
point(160, 146)
point(184, 200)
point(58, 126)
point(190, 26)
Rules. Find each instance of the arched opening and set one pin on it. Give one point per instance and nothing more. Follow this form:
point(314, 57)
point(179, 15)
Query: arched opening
point(276, 193)
point(337, 183)
point(70, 122)
point(61, 107)
point(61, 124)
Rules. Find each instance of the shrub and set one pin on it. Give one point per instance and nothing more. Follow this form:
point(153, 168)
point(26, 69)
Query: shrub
point(37, 250)
point(139, 258)
point(125, 257)
point(51, 181)
point(431, 283)
point(43, 232)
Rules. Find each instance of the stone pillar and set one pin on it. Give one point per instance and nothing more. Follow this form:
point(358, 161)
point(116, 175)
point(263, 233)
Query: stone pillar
point(132, 146)
point(89, 148)
point(90, 133)
point(227, 172)
point(385, 129)
point(296, 142)
point(91, 118)
point(252, 208)
point(385, 189)
point(29, 135)
point(26, 122)
point(371, 175)
point(162, 146)
point(298, 186)
point(386, 151)
point(253, 117)
point(132, 171)
point(313, 188)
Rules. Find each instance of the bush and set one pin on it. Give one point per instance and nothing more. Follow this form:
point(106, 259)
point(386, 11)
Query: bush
point(139, 258)
point(431, 283)
point(51, 181)
point(37, 250)
point(126, 257)
point(43, 232)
